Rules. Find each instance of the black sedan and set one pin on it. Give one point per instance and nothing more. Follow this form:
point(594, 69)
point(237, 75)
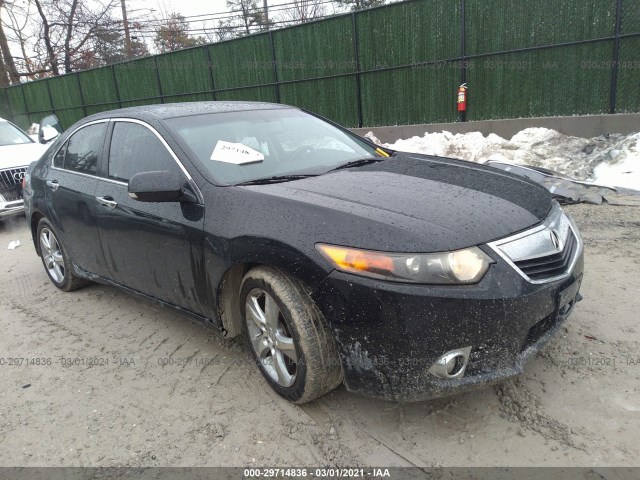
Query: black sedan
point(402, 276)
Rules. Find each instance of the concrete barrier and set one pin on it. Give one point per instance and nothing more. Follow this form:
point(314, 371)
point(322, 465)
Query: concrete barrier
point(579, 126)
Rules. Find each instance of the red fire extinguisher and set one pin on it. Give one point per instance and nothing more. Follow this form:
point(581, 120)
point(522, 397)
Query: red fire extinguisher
point(462, 98)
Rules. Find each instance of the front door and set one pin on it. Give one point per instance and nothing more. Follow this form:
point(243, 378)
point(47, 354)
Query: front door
point(152, 248)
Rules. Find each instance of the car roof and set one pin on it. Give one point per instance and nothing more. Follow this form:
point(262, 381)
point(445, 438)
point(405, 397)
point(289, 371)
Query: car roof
point(171, 110)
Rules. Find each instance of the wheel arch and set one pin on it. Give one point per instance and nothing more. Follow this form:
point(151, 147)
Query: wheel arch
point(228, 298)
point(228, 290)
point(36, 216)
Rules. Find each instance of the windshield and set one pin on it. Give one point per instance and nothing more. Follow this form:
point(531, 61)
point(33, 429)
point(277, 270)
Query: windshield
point(11, 135)
point(238, 147)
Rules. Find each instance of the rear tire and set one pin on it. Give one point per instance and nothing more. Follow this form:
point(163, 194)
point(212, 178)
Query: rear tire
point(287, 334)
point(56, 262)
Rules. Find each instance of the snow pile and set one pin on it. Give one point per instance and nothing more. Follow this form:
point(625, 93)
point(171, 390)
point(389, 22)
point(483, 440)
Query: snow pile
point(612, 160)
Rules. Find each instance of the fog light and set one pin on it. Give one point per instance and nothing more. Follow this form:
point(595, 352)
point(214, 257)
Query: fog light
point(454, 364)
point(451, 364)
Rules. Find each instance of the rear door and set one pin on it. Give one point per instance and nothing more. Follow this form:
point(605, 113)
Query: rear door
point(71, 183)
point(153, 248)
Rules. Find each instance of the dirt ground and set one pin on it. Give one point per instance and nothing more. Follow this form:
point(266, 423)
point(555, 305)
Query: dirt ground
point(151, 388)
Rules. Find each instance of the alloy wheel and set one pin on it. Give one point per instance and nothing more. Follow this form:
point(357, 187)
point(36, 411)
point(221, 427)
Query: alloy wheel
point(270, 337)
point(52, 255)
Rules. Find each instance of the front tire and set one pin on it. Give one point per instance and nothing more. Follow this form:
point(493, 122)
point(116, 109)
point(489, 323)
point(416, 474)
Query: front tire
point(288, 336)
point(55, 259)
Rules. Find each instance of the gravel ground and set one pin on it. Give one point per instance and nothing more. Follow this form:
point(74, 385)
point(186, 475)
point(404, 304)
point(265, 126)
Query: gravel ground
point(151, 388)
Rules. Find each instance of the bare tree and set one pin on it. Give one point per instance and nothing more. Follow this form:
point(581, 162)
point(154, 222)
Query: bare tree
point(304, 11)
point(355, 5)
point(173, 34)
point(67, 26)
point(60, 36)
point(9, 70)
point(248, 18)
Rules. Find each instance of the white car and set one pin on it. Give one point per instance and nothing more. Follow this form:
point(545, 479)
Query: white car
point(17, 151)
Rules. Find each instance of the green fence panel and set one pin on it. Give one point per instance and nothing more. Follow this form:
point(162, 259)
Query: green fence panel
point(558, 81)
point(22, 120)
point(409, 33)
point(144, 101)
point(37, 98)
point(101, 108)
point(256, 94)
point(242, 63)
point(628, 95)
point(498, 25)
point(69, 116)
point(138, 81)
point(385, 100)
point(630, 16)
point(4, 105)
point(183, 72)
point(16, 100)
point(314, 50)
point(333, 98)
point(99, 89)
point(192, 97)
point(414, 43)
point(65, 94)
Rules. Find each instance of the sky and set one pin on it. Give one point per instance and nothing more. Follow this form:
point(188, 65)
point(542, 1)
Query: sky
point(185, 7)
point(191, 8)
point(149, 14)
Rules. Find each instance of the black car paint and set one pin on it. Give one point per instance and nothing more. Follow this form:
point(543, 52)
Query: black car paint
point(409, 203)
point(179, 253)
point(390, 338)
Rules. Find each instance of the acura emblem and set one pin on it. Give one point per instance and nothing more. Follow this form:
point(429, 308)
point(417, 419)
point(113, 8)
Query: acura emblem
point(554, 239)
point(18, 176)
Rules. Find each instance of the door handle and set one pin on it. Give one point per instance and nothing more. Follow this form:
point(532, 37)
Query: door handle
point(108, 202)
point(53, 184)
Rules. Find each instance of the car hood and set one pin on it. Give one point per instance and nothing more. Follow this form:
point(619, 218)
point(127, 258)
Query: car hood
point(414, 203)
point(12, 156)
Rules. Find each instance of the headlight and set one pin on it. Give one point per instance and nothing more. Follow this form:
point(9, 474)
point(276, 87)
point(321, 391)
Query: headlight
point(462, 266)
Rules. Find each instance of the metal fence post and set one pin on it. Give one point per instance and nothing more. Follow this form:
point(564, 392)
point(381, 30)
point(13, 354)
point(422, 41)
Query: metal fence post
point(356, 58)
point(213, 82)
point(275, 66)
point(84, 106)
point(155, 62)
point(50, 96)
point(115, 84)
point(24, 99)
point(616, 59)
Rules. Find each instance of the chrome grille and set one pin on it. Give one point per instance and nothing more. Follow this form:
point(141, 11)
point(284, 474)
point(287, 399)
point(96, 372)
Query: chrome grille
point(10, 181)
point(544, 253)
point(550, 265)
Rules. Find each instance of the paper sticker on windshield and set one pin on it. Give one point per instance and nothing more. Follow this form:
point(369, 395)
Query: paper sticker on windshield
point(235, 153)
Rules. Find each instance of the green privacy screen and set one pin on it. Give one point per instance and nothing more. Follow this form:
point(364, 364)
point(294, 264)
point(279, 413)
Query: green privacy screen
point(403, 50)
point(392, 65)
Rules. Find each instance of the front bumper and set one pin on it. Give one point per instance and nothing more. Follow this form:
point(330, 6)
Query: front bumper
point(10, 209)
point(389, 335)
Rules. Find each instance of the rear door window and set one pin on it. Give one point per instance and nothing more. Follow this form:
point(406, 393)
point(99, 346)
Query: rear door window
point(83, 149)
point(135, 149)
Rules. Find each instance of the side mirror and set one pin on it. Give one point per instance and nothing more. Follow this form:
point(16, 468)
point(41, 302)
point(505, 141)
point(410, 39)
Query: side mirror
point(158, 187)
point(49, 129)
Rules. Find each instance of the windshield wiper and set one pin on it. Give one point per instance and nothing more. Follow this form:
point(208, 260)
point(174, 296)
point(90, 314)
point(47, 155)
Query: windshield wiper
point(276, 179)
point(357, 163)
